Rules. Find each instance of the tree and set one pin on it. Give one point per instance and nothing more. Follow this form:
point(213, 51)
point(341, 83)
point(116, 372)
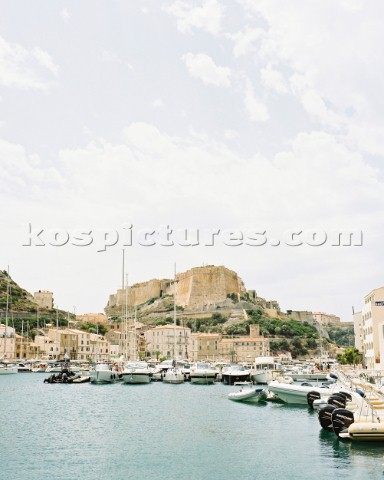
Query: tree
point(351, 356)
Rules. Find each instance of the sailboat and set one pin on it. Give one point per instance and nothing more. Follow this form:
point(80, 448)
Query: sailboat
point(5, 367)
point(174, 374)
point(103, 372)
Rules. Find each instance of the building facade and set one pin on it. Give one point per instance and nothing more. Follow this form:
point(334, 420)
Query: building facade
point(372, 318)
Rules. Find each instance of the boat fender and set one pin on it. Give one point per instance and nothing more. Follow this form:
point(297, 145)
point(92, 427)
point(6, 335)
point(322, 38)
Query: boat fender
point(312, 396)
point(325, 417)
point(341, 419)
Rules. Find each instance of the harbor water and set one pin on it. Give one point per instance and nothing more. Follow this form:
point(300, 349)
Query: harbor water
point(162, 431)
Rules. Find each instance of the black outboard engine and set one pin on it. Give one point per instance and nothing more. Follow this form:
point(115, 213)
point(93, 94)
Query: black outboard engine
point(346, 395)
point(325, 417)
point(341, 419)
point(337, 400)
point(312, 396)
point(361, 392)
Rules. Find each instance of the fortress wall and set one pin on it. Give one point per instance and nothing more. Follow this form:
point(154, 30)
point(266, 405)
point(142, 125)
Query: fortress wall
point(196, 288)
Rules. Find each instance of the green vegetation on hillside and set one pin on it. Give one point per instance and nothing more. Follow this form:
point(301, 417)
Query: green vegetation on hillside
point(343, 337)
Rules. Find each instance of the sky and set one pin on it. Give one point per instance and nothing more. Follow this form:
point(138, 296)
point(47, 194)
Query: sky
point(254, 126)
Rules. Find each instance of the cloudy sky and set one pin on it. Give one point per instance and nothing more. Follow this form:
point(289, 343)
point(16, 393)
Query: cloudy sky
point(119, 119)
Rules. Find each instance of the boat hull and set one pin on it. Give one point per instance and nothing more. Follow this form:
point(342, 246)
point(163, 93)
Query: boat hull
point(232, 378)
point(136, 378)
point(200, 379)
point(103, 377)
point(294, 394)
point(8, 370)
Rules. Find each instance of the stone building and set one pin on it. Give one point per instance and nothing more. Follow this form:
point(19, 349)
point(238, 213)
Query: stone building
point(7, 342)
point(160, 341)
point(204, 346)
point(44, 299)
point(244, 349)
point(196, 289)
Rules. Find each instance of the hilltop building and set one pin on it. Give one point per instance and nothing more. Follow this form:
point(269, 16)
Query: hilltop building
point(197, 289)
point(44, 299)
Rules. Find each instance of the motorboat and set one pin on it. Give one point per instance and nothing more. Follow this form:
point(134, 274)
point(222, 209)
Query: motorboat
point(103, 373)
point(202, 373)
point(8, 368)
point(296, 394)
point(264, 369)
point(235, 373)
point(136, 372)
point(247, 393)
point(24, 367)
point(360, 418)
point(66, 375)
point(173, 375)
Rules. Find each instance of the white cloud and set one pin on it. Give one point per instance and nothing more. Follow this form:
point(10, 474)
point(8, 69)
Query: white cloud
point(245, 40)
point(158, 103)
point(65, 15)
point(203, 67)
point(45, 60)
point(20, 67)
point(256, 109)
point(339, 67)
point(207, 16)
point(110, 57)
point(274, 79)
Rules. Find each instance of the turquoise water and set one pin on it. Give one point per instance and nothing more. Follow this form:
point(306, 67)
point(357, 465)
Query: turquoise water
point(161, 431)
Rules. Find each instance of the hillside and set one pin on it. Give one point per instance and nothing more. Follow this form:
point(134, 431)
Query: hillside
point(23, 312)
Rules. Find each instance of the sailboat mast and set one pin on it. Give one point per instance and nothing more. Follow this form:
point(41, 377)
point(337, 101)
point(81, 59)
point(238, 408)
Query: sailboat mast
point(6, 316)
point(126, 319)
point(57, 335)
point(174, 318)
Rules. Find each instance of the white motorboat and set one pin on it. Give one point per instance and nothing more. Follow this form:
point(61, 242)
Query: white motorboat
point(263, 370)
point(8, 368)
point(136, 372)
point(235, 373)
point(202, 373)
point(103, 373)
point(24, 367)
point(247, 393)
point(296, 394)
point(173, 375)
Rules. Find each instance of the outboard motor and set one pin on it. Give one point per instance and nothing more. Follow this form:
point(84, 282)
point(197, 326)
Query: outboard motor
point(325, 417)
point(361, 392)
point(312, 396)
point(346, 395)
point(341, 419)
point(337, 401)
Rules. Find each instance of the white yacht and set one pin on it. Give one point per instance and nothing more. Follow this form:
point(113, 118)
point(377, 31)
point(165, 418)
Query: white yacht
point(235, 373)
point(202, 373)
point(174, 375)
point(136, 372)
point(264, 369)
point(7, 368)
point(103, 373)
